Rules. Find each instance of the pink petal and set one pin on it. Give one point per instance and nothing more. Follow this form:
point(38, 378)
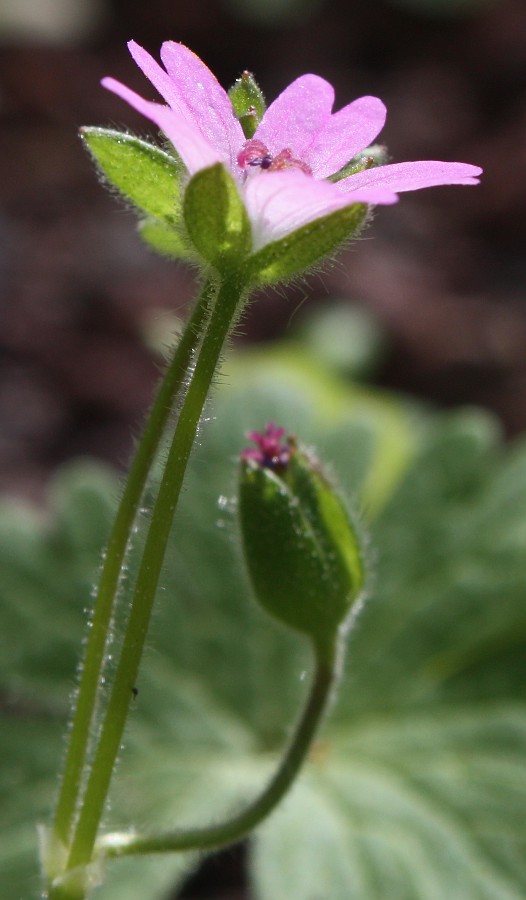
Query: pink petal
point(207, 102)
point(281, 202)
point(195, 152)
point(411, 176)
point(297, 115)
point(345, 134)
point(158, 77)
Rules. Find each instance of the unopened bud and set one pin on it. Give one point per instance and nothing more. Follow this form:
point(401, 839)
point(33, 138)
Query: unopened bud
point(302, 550)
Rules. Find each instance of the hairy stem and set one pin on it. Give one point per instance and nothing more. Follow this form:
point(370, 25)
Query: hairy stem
point(217, 330)
point(232, 830)
point(92, 664)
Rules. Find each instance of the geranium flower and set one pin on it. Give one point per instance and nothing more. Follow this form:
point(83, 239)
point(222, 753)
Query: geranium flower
point(298, 144)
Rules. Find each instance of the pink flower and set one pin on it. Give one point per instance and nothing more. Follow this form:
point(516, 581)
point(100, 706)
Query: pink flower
point(298, 144)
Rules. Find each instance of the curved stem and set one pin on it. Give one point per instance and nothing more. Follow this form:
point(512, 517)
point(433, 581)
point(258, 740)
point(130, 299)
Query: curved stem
point(113, 845)
point(218, 328)
point(116, 550)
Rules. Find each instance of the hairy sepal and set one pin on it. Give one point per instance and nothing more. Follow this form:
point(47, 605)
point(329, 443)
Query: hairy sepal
point(305, 248)
point(216, 219)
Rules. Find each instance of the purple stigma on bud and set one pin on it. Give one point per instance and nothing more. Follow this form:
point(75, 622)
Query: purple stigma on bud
point(269, 452)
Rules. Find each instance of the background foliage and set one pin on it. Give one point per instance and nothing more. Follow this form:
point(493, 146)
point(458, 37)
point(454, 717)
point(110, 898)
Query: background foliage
point(416, 784)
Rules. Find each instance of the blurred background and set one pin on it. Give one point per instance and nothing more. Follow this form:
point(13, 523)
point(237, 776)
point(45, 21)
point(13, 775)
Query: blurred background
point(85, 306)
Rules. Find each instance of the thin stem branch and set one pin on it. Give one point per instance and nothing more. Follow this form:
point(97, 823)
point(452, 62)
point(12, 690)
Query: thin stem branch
point(234, 829)
point(92, 664)
point(218, 328)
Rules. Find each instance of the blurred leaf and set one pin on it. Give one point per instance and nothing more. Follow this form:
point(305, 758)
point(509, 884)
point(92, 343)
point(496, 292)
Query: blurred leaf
point(345, 338)
point(48, 567)
point(416, 786)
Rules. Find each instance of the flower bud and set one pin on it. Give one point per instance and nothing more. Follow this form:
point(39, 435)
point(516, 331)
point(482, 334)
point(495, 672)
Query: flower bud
point(302, 550)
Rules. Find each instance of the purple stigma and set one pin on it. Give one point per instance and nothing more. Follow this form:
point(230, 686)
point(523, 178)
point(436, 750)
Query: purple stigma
point(269, 452)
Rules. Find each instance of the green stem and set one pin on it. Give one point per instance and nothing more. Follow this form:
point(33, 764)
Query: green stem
point(218, 328)
point(105, 600)
point(240, 825)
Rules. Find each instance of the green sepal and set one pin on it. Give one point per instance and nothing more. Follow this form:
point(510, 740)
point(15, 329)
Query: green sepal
point(298, 251)
point(165, 239)
point(216, 219)
point(143, 173)
point(248, 103)
point(302, 550)
point(373, 156)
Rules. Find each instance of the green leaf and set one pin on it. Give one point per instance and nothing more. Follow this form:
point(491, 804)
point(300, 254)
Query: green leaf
point(415, 788)
point(142, 172)
point(49, 564)
point(216, 219)
point(48, 572)
point(307, 246)
point(408, 807)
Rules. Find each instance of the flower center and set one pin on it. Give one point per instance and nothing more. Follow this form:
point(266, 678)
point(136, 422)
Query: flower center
point(254, 154)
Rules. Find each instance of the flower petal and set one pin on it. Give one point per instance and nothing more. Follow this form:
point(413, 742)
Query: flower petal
point(345, 134)
point(158, 77)
point(194, 150)
point(281, 202)
point(207, 102)
point(297, 115)
point(411, 176)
